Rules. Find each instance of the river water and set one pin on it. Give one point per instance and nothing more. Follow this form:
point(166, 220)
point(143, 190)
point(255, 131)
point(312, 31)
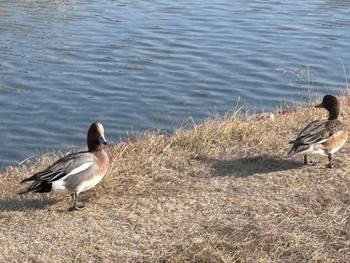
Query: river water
point(138, 65)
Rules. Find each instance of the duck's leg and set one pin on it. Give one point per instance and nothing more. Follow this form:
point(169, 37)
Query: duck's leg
point(305, 159)
point(76, 205)
point(330, 164)
point(306, 162)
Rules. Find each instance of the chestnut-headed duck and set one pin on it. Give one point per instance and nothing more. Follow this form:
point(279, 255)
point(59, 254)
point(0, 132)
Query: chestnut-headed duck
point(323, 137)
point(75, 172)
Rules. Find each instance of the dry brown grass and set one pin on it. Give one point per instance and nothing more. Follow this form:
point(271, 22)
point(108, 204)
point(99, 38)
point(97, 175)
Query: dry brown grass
point(222, 191)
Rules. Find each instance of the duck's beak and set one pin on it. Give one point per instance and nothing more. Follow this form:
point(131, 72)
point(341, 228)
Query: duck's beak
point(103, 140)
point(319, 106)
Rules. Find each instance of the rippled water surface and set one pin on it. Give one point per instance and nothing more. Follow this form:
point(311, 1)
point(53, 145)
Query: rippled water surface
point(136, 65)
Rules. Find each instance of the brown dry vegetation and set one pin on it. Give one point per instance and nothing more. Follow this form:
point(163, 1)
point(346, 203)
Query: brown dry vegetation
point(222, 191)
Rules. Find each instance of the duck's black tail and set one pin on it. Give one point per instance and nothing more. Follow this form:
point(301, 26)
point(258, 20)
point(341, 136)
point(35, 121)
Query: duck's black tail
point(38, 187)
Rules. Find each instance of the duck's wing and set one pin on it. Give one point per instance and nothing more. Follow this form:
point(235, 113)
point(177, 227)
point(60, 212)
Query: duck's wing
point(69, 164)
point(314, 133)
point(321, 132)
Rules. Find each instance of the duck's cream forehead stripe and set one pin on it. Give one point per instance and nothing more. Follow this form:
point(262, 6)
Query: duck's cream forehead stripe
point(100, 128)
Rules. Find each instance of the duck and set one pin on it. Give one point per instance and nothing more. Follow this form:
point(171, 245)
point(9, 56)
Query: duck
point(75, 172)
point(324, 137)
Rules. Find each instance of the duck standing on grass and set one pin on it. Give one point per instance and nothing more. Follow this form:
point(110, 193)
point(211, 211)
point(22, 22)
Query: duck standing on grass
point(75, 172)
point(322, 136)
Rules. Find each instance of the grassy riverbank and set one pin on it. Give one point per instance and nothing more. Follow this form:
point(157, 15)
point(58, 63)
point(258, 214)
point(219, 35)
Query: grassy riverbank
point(221, 191)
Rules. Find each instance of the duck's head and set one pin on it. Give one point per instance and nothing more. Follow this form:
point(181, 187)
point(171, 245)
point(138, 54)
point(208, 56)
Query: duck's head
point(96, 137)
point(332, 105)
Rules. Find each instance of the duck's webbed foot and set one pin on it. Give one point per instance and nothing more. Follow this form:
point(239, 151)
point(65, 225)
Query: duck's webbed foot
point(76, 204)
point(308, 162)
point(330, 164)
